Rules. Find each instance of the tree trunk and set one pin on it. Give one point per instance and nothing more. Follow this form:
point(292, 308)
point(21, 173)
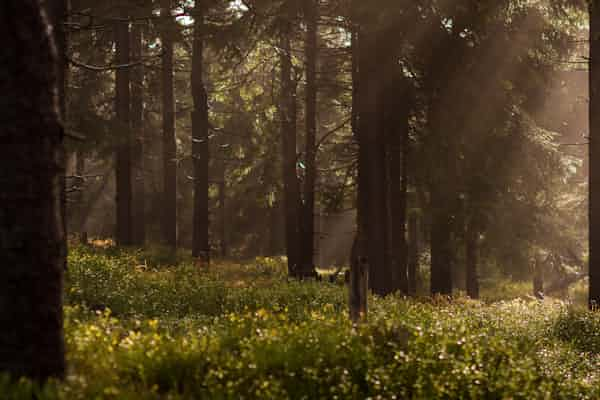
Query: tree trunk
point(223, 212)
point(594, 156)
point(169, 220)
point(373, 163)
point(308, 218)
point(57, 11)
point(441, 248)
point(413, 253)
point(396, 126)
point(137, 126)
point(472, 259)
point(124, 170)
point(200, 143)
point(31, 226)
point(291, 188)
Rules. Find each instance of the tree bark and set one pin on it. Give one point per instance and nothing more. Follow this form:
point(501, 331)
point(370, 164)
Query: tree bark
point(57, 12)
point(594, 155)
point(169, 220)
point(137, 126)
point(200, 142)
point(124, 170)
point(291, 186)
point(373, 162)
point(396, 126)
point(308, 218)
point(472, 258)
point(31, 225)
point(413, 253)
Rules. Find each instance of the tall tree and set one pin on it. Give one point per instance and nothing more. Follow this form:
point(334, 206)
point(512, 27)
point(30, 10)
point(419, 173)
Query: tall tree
point(137, 127)
point(32, 231)
point(169, 220)
point(200, 141)
point(287, 115)
point(311, 15)
point(594, 153)
point(124, 170)
point(57, 11)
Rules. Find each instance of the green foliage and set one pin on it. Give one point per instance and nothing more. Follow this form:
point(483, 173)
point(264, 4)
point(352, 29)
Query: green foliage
point(163, 334)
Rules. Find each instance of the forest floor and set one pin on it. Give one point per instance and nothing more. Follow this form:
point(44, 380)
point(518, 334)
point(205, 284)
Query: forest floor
point(137, 328)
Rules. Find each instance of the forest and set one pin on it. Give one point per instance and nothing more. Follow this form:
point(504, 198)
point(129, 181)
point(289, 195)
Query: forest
point(299, 199)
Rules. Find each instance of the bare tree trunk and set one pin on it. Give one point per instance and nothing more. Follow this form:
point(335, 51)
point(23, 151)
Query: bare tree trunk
point(291, 195)
point(373, 163)
point(396, 126)
point(413, 253)
point(169, 221)
point(308, 219)
point(200, 145)
point(359, 259)
point(124, 170)
point(31, 225)
point(57, 12)
point(472, 258)
point(223, 212)
point(594, 155)
point(137, 126)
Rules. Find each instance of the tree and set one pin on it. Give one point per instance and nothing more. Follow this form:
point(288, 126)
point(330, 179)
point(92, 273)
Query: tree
point(287, 115)
point(311, 11)
point(594, 151)
point(169, 204)
point(200, 141)
point(137, 127)
point(32, 231)
point(124, 170)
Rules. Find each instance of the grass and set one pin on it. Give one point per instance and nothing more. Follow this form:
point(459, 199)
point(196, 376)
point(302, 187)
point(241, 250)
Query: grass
point(137, 328)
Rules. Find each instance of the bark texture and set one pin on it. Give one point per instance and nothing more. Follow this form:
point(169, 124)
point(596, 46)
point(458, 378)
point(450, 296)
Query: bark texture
point(137, 127)
point(594, 155)
point(308, 218)
point(169, 206)
point(200, 142)
point(32, 234)
point(124, 166)
point(291, 186)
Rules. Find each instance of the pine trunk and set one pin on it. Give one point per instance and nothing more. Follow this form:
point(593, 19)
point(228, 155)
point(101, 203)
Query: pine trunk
point(291, 188)
point(169, 206)
point(308, 219)
point(594, 155)
point(472, 259)
point(124, 165)
point(137, 126)
point(200, 143)
point(31, 226)
point(413, 253)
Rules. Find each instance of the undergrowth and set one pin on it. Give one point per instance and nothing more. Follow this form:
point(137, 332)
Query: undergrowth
point(141, 330)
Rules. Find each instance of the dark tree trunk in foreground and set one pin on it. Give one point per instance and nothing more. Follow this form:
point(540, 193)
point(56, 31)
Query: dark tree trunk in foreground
point(200, 145)
point(594, 155)
point(137, 126)
point(57, 12)
point(169, 206)
point(31, 227)
point(291, 188)
point(124, 170)
point(308, 217)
